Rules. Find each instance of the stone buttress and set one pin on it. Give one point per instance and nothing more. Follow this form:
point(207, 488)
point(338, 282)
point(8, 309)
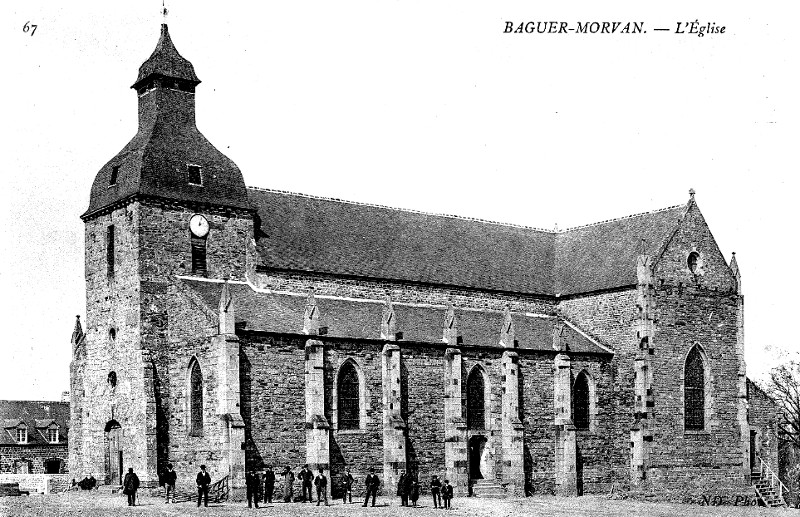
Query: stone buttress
point(226, 348)
point(394, 427)
point(742, 405)
point(317, 426)
point(455, 426)
point(644, 325)
point(566, 447)
point(513, 468)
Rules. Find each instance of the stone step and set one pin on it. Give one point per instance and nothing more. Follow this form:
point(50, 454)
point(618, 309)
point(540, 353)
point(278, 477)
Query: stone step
point(487, 488)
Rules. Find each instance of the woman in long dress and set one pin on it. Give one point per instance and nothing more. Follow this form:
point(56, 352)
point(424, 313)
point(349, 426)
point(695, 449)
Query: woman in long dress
point(288, 488)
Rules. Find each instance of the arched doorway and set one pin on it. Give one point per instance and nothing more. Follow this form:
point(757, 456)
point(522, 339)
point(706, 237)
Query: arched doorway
point(113, 453)
point(477, 446)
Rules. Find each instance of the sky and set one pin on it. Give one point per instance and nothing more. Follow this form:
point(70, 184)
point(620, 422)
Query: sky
point(416, 104)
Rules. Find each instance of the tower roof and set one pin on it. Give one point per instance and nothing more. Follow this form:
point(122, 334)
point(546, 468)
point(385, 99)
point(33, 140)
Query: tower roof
point(166, 61)
point(168, 158)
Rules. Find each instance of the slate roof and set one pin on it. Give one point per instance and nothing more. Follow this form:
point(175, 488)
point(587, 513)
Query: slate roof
point(348, 318)
point(167, 61)
point(603, 255)
point(155, 162)
point(331, 236)
point(320, 235)
point(37, 415)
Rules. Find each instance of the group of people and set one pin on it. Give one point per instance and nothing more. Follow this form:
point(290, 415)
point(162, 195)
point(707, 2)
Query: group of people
point(256, 480)
point(407, 487)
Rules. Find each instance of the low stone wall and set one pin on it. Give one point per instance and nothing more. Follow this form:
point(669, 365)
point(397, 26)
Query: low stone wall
point(40, 483)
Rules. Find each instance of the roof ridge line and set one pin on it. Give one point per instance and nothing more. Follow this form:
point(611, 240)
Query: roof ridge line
point(408, 210)
point(615, 219)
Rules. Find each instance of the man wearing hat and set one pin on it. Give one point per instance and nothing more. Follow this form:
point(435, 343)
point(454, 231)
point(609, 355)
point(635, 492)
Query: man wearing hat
point(129, 486)
point(203, 482)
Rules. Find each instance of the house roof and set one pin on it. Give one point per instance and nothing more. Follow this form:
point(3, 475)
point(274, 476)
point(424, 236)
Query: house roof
point(331, 236)
point(264, 311)
point(37, 416)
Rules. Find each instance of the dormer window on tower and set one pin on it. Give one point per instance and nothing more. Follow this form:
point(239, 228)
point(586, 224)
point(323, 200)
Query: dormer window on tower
point(195, 175)
point(22, 435)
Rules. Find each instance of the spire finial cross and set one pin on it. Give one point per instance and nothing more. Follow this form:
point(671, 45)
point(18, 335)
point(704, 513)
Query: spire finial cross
point(164, 10)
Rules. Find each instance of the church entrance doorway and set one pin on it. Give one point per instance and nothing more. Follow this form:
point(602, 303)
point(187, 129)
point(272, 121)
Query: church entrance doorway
point(113, 453)
point(477, 446)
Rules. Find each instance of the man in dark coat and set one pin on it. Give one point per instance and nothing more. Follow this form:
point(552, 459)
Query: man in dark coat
point(401, 488)
point(372, 483)
point(129, 487)
point(436, 490)
point(269, 484)
point(252, 483)
point(169, 477)
point(347, 486)
point(321, 482)
point(306, 482)
point(447, 493)
point(203, 483)
point(288, 485)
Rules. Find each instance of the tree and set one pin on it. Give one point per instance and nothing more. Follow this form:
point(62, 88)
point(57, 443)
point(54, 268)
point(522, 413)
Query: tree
point(784, 387)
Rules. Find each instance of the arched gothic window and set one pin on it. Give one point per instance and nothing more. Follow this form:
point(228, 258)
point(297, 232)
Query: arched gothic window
point(694, 393)
point(580, 401)
point(347, 397)
point(476, 403)
point(196, 399)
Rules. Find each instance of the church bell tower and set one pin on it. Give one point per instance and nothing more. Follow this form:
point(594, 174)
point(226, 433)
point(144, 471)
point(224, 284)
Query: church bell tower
point(168, 205)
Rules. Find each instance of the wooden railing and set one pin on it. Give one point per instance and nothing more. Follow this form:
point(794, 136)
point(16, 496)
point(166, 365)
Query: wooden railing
point(217, 493)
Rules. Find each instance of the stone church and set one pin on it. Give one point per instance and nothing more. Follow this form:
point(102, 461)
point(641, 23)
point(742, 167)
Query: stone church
point(239, 327)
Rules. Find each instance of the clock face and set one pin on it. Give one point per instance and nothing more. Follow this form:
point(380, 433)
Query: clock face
point(198, 225)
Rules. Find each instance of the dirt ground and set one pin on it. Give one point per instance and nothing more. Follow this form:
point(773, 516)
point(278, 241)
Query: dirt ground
point(90, 504)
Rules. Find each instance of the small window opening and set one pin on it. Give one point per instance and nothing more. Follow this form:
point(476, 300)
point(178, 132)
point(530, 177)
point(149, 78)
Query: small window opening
point(195, 400)
point(581, 402)
point(112, 333)
point(112, 379)
point(692, 262)
point(22, 435)
point(52, 437)
point(110, 250)
point(476, 402)
point(195, 176)
point(347, 397)
point(199, 255)
point(114, 173)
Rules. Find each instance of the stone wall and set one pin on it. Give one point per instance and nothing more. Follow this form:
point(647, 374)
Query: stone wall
point(763, 415)
point(273, 401)
point(111, 345)
point(35, 456)
point(401, 292)
point(356, 449)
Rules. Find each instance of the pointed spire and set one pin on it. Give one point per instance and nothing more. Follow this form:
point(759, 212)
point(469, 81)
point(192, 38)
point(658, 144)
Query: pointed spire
point(388, 325)
point(227, 320)
point(311, 316)
point(449, 327)
point(691, 195)
point(559, 341)
point(166, 61)
point(507, 330)
point(736, 273)
point(77, 333)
